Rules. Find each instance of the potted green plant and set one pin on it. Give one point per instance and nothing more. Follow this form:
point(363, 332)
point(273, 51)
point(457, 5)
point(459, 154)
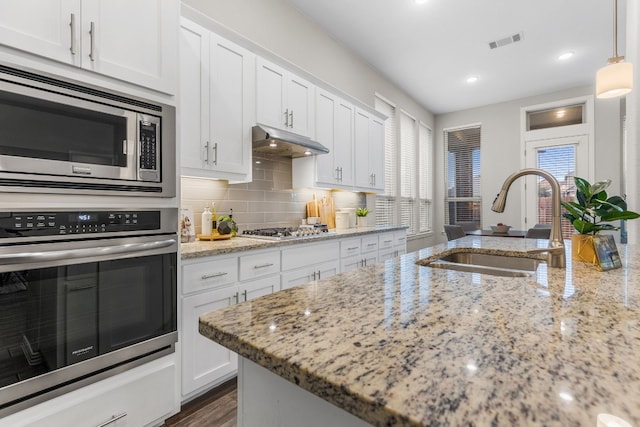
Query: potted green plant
point(592, 212)
point(361, 214)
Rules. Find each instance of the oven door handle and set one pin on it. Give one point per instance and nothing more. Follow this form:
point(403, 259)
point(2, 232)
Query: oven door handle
point(67, 254)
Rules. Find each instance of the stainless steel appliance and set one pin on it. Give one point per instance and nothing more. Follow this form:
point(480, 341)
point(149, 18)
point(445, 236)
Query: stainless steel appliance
point(284, 144)
point(288, 233)
point(59, 136)
point(84, 294)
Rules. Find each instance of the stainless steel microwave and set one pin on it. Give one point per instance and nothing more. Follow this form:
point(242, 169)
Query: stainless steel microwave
point(60, 136)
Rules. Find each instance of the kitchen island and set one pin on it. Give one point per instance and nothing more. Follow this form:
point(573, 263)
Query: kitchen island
point(399, 343)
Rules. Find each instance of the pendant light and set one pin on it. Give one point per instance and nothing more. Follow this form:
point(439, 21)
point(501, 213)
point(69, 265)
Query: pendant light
point(616, 78)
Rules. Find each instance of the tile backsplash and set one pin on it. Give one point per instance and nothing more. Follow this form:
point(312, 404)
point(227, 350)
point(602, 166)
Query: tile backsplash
point(267, 201)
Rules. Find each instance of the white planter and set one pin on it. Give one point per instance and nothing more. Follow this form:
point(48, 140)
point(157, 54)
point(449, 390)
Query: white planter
point(362, 221)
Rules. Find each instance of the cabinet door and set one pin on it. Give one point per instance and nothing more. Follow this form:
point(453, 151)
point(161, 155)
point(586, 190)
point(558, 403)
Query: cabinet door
point(42, 27)
point(231, 105)
point(343, 141)
point(328, 269)
point(270, 94)
point(300, 95)
point(297, 277)
point(350, 263)
point(259, 287)
point(362, 172)
point(194, 95)
point(376, 152)
point(326, 105)
point(132, 41)
point(204, 362)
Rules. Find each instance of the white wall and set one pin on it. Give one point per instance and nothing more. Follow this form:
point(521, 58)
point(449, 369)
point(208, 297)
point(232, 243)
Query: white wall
point(633, 118)
point(501, 148)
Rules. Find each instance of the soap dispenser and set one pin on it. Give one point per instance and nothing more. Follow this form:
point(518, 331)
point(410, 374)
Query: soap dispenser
point(206, 222)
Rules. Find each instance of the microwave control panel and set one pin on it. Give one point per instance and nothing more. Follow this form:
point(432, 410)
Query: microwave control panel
point(56, 223)
point(149, 154)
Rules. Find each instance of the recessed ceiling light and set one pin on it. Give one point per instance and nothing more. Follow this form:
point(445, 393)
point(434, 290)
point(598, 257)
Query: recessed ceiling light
point(472, 79)
point(565, 56)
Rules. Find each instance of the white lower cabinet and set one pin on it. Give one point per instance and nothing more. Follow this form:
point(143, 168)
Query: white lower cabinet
point(204, 362)
point(392, 244)
point(209, 284)
point(142, 396)
point(305, 263)
point(358, 252)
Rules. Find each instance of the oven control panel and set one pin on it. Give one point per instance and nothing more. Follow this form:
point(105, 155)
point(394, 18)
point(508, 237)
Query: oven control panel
point(56, 223)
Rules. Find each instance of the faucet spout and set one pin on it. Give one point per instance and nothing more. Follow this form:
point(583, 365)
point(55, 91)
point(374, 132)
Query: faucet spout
point(557, 257)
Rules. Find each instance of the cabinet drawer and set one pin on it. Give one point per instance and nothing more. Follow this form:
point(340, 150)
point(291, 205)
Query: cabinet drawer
point(386, 241)
point(259, 265)
point(304, 255)
point(369, 244)
point(134, 398)
point(400, 238)
point(210, 273)
point(350, 247)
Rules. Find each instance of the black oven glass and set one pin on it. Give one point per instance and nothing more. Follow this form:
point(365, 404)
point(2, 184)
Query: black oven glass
point(41, 129)
point(55, 317)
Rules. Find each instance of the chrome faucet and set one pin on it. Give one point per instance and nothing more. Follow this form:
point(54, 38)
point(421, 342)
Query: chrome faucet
point(555, 250)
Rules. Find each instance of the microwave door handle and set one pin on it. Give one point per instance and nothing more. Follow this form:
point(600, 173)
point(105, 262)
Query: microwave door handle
point(128, 248)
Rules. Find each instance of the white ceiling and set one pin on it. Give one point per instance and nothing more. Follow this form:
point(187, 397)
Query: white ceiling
point(430, 49)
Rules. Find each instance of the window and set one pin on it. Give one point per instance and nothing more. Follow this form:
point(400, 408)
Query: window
point(463, 204)
point(407, 199)
point(408, 173)
point(555, 117)
point(386, 202)
point(425, 172)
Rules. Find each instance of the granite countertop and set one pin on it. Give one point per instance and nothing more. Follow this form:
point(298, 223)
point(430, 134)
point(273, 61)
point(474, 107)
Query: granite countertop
point(401, 344)
point(199, 249)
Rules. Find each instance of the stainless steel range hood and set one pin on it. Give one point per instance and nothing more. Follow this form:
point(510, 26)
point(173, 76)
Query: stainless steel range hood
point(284, 144)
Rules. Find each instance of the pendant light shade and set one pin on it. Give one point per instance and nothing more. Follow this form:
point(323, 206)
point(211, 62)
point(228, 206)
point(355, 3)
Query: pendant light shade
point(615, 79)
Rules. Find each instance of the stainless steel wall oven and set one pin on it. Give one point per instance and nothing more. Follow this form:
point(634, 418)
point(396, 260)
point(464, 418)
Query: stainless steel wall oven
point(59, 136)
point(84, 294)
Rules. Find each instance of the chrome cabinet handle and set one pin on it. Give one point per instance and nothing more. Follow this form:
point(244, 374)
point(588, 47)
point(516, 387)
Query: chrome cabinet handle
point(237, 297)
point(206, 152)
point(72, 24)
point(318, 274)
point(314, 275)
point(352, 249)
point(244, 294)
point(371, 244)
point(286, 117)
point(92, 33)
point(263, 265)
point(112, 420)
point(215, 150)
point(338, 174)
point(291, 115)
point(387, 241)
point(209, 276)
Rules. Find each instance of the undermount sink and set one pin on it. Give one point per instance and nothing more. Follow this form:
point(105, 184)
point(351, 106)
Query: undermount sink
point(474, 262)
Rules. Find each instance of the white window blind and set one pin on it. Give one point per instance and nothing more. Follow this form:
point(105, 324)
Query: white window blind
point(425, 142)
point(463, 204)
point(408, 188)
point(386, 203)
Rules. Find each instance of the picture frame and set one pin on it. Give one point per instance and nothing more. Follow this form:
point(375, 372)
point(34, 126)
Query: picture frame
point(187, 226)
point(607, 252)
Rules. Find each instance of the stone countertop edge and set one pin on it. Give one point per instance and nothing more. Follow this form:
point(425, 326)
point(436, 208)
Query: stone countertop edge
point(198, 249)
point(415, 346)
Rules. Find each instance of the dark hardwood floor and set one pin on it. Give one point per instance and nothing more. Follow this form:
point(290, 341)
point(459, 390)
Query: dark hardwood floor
point(216, 408)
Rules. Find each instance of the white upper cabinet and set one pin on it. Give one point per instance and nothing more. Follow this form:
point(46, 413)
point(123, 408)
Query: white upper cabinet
point(216, 105)
point(334, 129)
point(131, 41)
point(284, 100)
point(369, 146)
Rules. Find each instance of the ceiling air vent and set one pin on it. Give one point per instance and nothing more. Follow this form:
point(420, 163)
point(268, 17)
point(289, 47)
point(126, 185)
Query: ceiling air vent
point(506, 40)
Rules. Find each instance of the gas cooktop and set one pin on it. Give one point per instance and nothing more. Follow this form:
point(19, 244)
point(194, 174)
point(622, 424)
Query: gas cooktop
point(287, 233)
